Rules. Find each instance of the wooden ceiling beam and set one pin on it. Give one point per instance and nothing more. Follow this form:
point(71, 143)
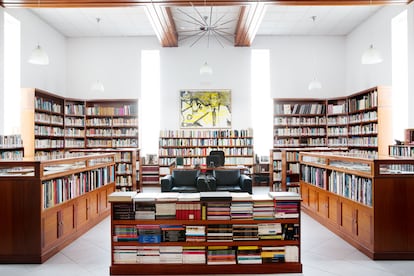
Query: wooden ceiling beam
point(163, 24)
point(125, 3)
point(248, 24)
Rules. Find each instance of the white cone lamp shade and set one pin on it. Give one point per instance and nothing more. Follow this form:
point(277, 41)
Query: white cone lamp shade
point(314, 84)
point(206, 69)
point(39, 56)
point(97, 86)
point(371, 56)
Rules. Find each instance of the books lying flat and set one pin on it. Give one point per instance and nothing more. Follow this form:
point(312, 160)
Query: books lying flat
point(285, 195)
point(121, 196)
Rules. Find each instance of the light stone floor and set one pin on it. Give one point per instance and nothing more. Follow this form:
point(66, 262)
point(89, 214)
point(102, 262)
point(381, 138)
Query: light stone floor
point(323, 254)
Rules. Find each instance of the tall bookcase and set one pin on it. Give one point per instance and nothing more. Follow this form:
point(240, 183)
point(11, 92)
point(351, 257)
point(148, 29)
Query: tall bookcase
point(111, 123)
point(42, 124)
point(368, 202)
point(276, 170)
point(194, 145)
point(52, 124)
point(48, 204)
point(199, 244)
point(360, 123)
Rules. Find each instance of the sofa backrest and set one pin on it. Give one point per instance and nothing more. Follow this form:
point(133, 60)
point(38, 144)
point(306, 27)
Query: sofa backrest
point(227, 177)
point(185, 177)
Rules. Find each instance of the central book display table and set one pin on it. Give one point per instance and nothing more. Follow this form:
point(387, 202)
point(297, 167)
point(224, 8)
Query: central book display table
point(204, 233)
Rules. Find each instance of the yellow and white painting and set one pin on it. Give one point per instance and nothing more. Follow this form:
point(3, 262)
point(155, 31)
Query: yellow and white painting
point(205, 108)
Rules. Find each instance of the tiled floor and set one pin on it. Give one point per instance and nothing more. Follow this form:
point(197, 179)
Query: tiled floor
point(323, 254)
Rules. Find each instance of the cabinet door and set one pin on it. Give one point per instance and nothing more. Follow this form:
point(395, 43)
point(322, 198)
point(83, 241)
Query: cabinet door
point(333, 210)
point(82, 211)
point(323, 204)
point(50, 228)
point(66, 220)
point(364, 226)
point(103, 200)
point(347, 218)
point(313, 199)
point(93, 205)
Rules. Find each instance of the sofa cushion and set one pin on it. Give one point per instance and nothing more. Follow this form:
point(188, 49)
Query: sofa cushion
point(185, 178)
point(227, 177)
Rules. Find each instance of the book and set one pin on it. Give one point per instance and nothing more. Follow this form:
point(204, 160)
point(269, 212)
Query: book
point(121, 196)
point(285, 195)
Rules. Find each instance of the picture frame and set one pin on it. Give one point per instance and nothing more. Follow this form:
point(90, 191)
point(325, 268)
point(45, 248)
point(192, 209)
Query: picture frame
point(205, 108)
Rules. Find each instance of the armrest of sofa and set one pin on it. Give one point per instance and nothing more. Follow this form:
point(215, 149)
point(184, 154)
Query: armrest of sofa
point(246, 183)
point(166, 183)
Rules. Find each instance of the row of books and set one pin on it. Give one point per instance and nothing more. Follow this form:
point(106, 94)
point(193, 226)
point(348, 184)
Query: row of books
point(405, 151)
point(311, 108)
point(364, 102)
point(313, 175)
point(112, 111)
point(11, 141)
point(112, 143)
point(205, 142)
point(228, 133)
point(285, 121)
point(48, 119)
point(193, 161)
point(196, 206)
point(295, 142)
point(58, 190)
point(48, 143)
point(203, 151)
point(48, 131)
point(351, 186)
point(43, 104)
point(300, 131)
point(74, 109)
point(210, 255)
point(11, 155)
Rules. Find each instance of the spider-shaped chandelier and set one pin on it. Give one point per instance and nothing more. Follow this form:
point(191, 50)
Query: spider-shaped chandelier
point(207, 24)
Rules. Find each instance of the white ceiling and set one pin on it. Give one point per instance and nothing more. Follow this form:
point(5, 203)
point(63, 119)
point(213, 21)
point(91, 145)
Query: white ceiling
point(277, 20)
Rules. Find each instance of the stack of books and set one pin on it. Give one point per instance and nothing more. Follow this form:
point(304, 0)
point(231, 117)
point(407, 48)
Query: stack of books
point(241, 206)
point(173, 233)
point(165, 205)
point(249, 254)
point(188, 206)
point(148, 255)
point(286, 204)
point(221, 255)
point(171, 254)
point(263, 207)
point(144, 205)
point(195, 233)
point(125, 233)
point(245, 232)
point(270, 231)
point(273, 254)
point(219, 233)
point(148, 233)
point(217, 205)
point(194, 255)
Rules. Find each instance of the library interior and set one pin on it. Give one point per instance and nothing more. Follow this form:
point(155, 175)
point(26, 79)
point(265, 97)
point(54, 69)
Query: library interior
point(207, 137)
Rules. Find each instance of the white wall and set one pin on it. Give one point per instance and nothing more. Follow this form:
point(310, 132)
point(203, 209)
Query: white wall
point(33, 31)
point(293, 66)
point(1, 70)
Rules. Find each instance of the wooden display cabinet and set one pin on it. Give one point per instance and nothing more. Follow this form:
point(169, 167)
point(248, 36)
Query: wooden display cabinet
point(48, 204)
point(367, 202)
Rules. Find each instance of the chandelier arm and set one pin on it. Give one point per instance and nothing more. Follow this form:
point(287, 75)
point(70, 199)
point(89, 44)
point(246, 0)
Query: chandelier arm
point(199, 14)
point(225, 22)
point(201, 36)
point(222, 36)
point(181, 38)
point(211, 15)
point(195, 23)
point(218, 20)
point(216, 35)
point(192, 17)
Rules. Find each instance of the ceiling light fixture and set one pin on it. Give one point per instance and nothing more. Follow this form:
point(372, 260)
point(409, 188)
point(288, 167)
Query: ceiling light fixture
point(206, 69)
point(371, 56)
point(38, 56)
point(315, 83)
point(98, 86)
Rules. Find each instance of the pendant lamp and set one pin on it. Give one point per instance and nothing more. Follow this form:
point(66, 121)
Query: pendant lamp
point(206, 69)
point(371, 56)
point(38, 56)
point(98, 86)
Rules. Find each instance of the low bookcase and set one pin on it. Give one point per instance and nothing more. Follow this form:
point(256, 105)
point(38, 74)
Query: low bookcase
point(266, 241)
point(45, 205)
point(367, 202)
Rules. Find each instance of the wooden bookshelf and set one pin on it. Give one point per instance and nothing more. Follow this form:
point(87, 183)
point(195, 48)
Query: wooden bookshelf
point(48, 204)
point(367, 202)
point(276, 170)
point(139, 264)
point(127, 167)
point(401, 151)
point(194, 145)
point(360, 123)
point(52, 125)
point(112, 123)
